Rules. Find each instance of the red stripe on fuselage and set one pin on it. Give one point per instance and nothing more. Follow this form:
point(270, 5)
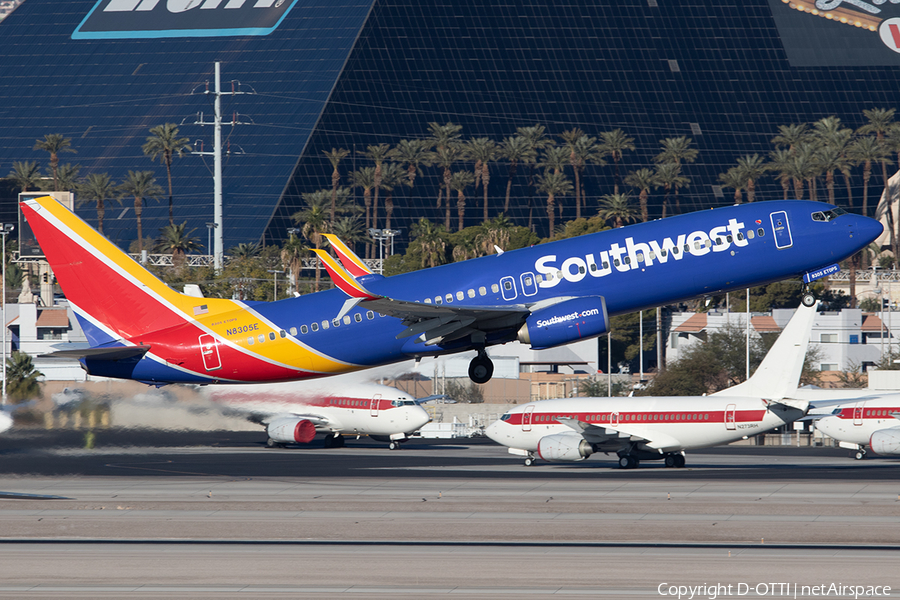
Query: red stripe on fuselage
point(875, 412)
point(640, 418)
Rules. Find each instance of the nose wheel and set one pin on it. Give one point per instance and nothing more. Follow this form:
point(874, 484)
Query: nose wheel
point(481, 368)
point(808, 298)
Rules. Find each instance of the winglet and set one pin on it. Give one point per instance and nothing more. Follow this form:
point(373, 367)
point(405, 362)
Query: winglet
point(351, 261)
point(343, 279)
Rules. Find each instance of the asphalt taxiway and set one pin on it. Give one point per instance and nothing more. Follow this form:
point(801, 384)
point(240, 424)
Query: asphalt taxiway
point(186, 515)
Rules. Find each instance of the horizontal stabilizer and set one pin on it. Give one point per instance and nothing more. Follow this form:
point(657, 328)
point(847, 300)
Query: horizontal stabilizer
point(112, 353)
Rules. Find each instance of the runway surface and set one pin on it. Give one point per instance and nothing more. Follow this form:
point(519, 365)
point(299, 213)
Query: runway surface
point(187, 515)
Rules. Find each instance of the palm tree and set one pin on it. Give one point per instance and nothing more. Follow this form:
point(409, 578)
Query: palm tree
point(780, 162)
point(791, 136)
point(515, 150)
point(378, 154)
point(831, 159)
point(67, 177)
point(292, 254)
point(866, 150)
point(54, 143)
point(140, 184)
point(751, 167)
point(614, 143)
point(536, 140)
point(445, 157)
point(22, 378)
point(644, 180)
point(554, 158)
point(483, 151)
point(314, 221)
point(350, 230)
point(413, 154)
point(165, 144)
point(26, 174)
point(733, 178)
point(432, 242)
point(335, 157)
point(669, 177)
point(554, 184)
point(365, 178)
point(97, 188)
point(618, 208)
point(459, 181)
point(244, 251)
point(177, 242)
point(392, 176)
point(804, 166)
point(880, 122)
point(676, 150)
point(493, 233)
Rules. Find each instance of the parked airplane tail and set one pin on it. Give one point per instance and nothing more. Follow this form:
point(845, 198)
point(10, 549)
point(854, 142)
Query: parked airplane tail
point(114, 297)
point(779, 373)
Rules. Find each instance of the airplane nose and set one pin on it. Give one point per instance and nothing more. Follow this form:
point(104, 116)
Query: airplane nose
point(824, 425)
point(869, 229)
point(493, 431)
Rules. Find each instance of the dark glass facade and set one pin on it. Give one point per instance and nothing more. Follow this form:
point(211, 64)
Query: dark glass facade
point(349, 74)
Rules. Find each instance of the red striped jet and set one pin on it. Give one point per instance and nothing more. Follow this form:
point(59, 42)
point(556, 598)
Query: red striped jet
point(663, 428)
point(545, 296)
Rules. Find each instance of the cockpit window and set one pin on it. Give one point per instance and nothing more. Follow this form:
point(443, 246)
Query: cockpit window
point(505, 417)
point(828, 215)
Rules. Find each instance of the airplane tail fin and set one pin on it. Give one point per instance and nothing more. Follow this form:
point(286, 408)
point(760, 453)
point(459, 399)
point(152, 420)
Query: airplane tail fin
point(113, 296)
point(354, 264)
point(779, 373)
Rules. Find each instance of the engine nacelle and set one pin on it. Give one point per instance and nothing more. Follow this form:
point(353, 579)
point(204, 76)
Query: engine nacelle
point(563, 447)
point(885, 442)
point(565, 322)
point(288, 430)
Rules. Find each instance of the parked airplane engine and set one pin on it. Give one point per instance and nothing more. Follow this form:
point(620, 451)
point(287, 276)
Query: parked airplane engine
point(885, 442)
point(288, 430)
point(565, 322)
point(563, 447)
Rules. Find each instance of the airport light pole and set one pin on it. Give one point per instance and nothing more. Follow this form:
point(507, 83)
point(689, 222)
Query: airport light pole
point(5, 230)
point(209, 232)
point(275, 272)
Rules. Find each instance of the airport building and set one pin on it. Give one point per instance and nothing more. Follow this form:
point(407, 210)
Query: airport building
point(301, 77)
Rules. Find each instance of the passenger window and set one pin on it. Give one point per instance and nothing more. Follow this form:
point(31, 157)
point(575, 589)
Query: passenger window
point(507, 285)
point(449, 298)
point(438, 300)
point(728, 238)
point(324, 325)
point(640, 257)
point(606, 265)
point(283, 333)
point(471, 293)
point(370, 315)
point(482, 291)
point(346, 319)
point(303, 329)
point(262, 338)
point(272, 335)
point(427, 300)
point(761, 232)
point(616, 262)
point(495, 288)
point(315, 326)
point(528, 279)
point(357, 317)
point(581, 269)
point(460, 296)
point(593, 267)
point(249, 341)
point(709, 243)
point(336, 322)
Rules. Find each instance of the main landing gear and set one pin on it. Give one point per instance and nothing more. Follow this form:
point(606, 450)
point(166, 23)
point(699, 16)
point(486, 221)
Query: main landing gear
point(481, 368)
point(334, 440)
point(674, 461)
point(860, 454)
point(628, 461)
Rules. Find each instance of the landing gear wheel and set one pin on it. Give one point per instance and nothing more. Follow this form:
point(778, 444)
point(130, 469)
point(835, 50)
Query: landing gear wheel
point(394, 445)
point(670, 461)
point(481, 368)
point(860, 455)
point(808, 299)
point(334, 440)
point(679, 461)
point(273, 444)
point(529, 461)
point(628, 462)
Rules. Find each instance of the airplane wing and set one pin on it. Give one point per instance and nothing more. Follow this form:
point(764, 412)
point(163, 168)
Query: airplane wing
point(621, 436)
point(320, 421)
point(436, 323)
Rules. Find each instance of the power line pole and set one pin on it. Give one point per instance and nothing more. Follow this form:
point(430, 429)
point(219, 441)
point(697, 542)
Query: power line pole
point(218, 251)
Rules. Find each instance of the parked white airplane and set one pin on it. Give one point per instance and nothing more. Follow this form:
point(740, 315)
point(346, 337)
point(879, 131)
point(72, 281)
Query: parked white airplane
point(294, 412)
point(5, 421)
point(654, 428)
point(870, 422)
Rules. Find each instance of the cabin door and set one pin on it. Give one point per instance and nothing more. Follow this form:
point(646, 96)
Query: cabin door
point(526, 418)
point(730, 417)
point(209, 350)
point(782, 230)
point(858, 414)
point(374, 406)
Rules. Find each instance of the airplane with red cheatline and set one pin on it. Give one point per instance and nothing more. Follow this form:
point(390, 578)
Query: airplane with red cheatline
point(544, 296)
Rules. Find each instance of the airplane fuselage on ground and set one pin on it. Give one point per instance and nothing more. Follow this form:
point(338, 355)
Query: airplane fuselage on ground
point(547, 295)
point(871, 423)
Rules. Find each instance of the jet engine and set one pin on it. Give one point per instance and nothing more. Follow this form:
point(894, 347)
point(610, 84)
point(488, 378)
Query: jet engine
point(288, 430)
point(565, 322)
point(885, 442)
point(563, 447)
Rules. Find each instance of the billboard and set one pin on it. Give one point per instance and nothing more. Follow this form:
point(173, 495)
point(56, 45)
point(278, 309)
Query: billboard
point(117, 19)
point(839, 33)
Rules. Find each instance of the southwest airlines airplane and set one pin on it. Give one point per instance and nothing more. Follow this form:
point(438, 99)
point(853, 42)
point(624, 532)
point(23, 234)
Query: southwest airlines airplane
point(662, 428)
point(545, 296)
point(867, 422)
point(294, 413)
